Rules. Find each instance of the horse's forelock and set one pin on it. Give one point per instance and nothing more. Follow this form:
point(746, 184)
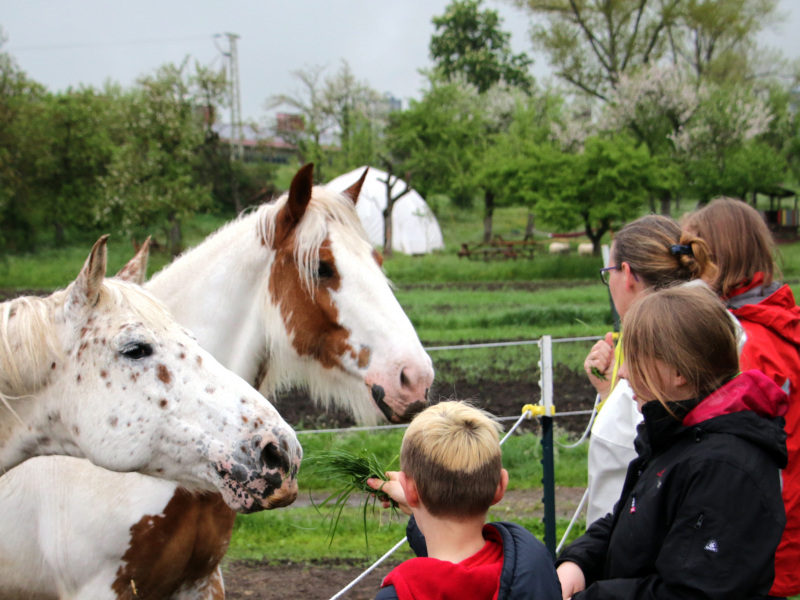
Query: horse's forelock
point(121, 294)
point(326, 208)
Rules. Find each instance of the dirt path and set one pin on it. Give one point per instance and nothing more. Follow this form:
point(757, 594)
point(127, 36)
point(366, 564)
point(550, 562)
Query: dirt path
point(321, 580)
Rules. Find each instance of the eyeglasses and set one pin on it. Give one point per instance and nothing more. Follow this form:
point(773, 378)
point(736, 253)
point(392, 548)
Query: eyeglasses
point(605, 272)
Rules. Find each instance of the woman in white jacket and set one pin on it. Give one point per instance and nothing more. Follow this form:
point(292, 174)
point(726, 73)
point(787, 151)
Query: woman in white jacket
point(648, 253)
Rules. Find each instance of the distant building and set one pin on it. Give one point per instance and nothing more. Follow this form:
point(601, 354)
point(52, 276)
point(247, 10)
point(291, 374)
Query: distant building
point(392, 103)
point(260, 146)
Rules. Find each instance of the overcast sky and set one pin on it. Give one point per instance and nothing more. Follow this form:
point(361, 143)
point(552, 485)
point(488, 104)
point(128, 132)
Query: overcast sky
point(63, 43)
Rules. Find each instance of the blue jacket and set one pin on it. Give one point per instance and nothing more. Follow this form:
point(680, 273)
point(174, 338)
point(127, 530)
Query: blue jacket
point(528, 572)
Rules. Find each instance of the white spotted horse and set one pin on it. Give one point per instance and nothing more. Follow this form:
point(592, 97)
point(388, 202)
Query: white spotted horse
point(101, 370)
point(292, 293)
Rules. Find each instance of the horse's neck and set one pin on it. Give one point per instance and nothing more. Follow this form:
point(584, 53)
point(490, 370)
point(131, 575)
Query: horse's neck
point(217, 292)
point(33, 426)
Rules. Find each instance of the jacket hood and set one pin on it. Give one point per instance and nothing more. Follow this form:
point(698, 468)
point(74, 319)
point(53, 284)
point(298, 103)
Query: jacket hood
point(475, 577)
point(776, 310)
point(749, 406)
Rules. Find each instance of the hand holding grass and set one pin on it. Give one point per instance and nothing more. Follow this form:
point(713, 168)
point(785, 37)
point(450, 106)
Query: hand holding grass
point(599, 364)
point(392, 489)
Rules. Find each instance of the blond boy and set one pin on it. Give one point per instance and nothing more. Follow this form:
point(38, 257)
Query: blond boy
point(451, 474)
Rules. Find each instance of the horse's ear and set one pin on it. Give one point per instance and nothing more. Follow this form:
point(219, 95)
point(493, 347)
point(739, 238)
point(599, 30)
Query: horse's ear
point(136, 269)
point(300, 192)
point(86, 288)
point(354, 190)
point(296, 205)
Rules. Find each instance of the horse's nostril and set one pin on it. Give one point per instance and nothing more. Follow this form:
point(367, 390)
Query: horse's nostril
point(404, 382)
point(273, 458)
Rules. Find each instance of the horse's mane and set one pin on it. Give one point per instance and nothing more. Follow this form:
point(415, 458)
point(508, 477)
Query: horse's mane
point(29, 338)
point(28, 344)
point(325, 208)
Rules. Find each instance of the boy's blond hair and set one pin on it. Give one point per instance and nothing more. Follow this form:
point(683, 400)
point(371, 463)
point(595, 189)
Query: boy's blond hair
point(452, 452)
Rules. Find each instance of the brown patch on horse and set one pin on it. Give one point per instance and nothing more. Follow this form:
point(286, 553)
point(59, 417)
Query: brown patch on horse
point(312, 322)
point(181, 547)
point(378, 257)
point(163, 374)
point(364, 357)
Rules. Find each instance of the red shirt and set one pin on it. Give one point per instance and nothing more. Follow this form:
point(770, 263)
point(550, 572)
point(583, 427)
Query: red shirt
point(476, 577)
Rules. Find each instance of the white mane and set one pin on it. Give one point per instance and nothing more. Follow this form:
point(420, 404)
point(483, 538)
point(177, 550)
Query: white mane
point(29, 345)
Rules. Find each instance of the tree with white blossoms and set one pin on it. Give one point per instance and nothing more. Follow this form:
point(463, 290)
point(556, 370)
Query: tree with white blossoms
point(720, 146)
point(150, 180)
point(654, 104)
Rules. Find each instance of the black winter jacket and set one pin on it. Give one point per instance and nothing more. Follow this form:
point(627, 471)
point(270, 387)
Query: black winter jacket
point(700, 513)
point(528, 572)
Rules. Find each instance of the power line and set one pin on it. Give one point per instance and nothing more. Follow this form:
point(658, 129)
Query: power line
point(107, 44)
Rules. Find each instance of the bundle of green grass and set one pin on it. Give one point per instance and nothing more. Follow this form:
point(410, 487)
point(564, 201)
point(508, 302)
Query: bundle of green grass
point(348, 473)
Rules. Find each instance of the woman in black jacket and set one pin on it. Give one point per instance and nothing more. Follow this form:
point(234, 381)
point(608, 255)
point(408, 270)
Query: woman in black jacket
point(700, 513)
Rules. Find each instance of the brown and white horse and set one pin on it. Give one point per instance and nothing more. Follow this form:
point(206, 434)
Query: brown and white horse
point(292, 293)
point(101, 370)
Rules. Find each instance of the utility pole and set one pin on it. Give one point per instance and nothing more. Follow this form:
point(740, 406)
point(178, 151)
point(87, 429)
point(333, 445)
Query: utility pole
point(237, 132)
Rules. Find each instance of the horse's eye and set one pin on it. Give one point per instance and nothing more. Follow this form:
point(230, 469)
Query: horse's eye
point(137, 350)
point(325, 270)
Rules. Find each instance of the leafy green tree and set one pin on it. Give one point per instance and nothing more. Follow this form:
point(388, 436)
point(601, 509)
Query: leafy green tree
point(510, 169)
point(359, 116)
point(23, 141)
point(469, 42)
point(211, 94)
point(81, 128)
point(716, 38)
point(591, 43)
point(150, 180)
point(598, 189)
point(438, 139)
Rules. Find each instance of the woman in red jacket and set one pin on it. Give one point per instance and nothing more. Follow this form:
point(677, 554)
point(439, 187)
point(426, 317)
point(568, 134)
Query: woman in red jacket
point(742, 248)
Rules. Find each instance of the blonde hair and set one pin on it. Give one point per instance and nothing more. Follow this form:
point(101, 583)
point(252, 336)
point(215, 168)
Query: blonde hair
point(646, 244)
point(740, 242)
point(689, 330)
point(452, 452)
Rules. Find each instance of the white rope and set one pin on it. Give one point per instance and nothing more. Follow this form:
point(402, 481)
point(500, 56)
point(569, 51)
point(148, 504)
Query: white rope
point(355, 581)
point(525, 415)
point(574, 518)
point(573, 413)
point(352, 584)
point(585, 431)
point(591, 338)
point(348, 429)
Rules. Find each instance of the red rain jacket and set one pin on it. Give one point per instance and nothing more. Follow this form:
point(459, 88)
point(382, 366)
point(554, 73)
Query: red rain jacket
point(771, 320)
